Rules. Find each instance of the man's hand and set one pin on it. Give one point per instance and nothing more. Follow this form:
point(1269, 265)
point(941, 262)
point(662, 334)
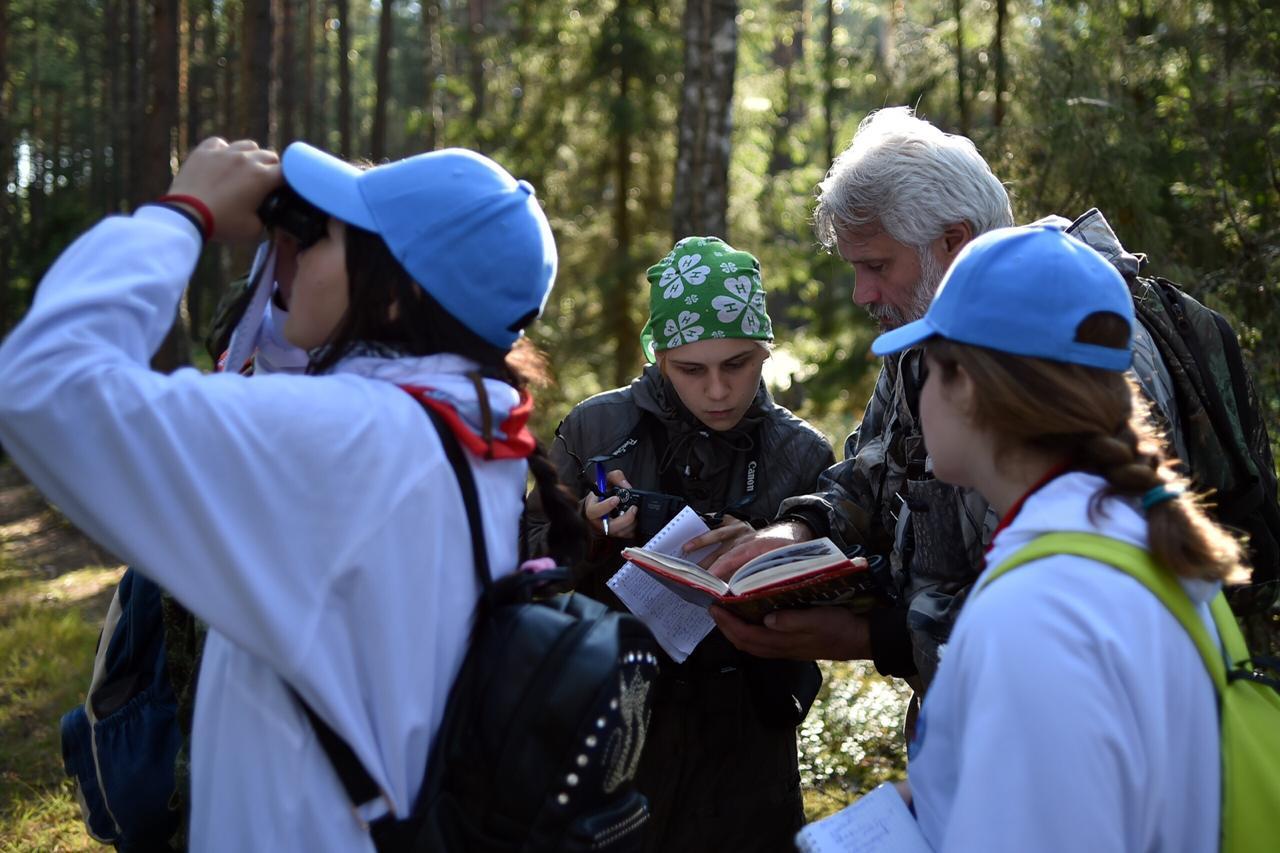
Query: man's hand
point(730, 532)
point(754, 544)
point(595, 510)
point(231, 179)
point(819, 633)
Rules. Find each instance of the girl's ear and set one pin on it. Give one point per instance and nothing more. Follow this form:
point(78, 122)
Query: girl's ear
point(961, 390)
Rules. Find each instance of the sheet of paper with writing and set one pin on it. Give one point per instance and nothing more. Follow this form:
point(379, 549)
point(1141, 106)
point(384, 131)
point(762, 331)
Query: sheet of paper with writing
point(677, 625)
point(880, 822)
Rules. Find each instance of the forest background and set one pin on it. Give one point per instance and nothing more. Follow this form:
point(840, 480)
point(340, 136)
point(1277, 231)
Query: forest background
point(640, 122)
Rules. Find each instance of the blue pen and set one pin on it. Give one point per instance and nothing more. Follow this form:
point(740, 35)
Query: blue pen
point(600, 484)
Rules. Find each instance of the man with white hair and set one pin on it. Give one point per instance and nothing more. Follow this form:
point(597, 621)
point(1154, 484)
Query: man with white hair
point(898, 205)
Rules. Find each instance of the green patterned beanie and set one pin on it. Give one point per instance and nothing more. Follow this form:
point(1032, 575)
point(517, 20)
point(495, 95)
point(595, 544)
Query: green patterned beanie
point(704, 288)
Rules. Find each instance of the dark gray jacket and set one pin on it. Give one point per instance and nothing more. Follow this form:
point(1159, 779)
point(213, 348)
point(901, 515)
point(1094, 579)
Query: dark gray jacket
point(719, 772)
point(884, 496)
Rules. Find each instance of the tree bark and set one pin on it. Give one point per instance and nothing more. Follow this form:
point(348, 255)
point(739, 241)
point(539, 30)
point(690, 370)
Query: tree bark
point(962, 97)
point(625, 336)
point(162, 101)
point(829, 120)
point(997, 50)
point(309, 73)
point(788, 56)
point(7, 239)
point(287, 102)
point(135, 105)
point(255, 75)
point(476, 10)
point(162, 119)
point(113, 82)
point(706, 119)
point(344, 81)
point(378, 137)
point(431, 23)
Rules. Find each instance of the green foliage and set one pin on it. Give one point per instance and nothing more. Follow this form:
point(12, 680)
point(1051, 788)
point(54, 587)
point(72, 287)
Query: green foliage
point(852, 739)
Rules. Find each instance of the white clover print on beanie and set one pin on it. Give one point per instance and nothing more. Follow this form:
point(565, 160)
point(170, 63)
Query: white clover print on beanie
point(704, 288)
point(682, 330)
point(746, 299)
point(685, 269)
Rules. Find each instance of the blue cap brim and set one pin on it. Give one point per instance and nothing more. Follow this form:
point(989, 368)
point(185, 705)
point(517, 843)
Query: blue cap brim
point(328, 183)
point(903, 337)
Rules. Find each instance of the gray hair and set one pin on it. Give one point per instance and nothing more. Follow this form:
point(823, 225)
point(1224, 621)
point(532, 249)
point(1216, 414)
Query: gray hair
point(914, 180)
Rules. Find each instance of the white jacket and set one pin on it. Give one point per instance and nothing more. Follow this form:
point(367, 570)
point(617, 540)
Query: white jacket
point(313, 522)
point(1071, 711)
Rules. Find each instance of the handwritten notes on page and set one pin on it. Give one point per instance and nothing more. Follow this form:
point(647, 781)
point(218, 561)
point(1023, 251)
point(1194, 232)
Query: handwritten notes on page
point(677, 625)
point(880, 822)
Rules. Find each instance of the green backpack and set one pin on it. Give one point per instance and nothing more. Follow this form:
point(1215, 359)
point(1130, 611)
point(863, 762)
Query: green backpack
point(1248, 699)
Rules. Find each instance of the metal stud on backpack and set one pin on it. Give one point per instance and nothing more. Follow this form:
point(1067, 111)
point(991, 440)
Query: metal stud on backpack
point(544, 726)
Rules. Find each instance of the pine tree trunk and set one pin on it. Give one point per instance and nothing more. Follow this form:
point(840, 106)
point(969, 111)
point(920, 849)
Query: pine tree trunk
point(344, 81)
point(7, 238)
point(162, 106)
point(476, 10)
point(162, 119)
point(114, 75)
point(829, 120)
point(431, 22)
point(309, 73)
point(962, 96)
point(135, 105)
point(287, 102)
point(255, 76)
point(378, 137)
point(626, 339)
point(997, 50)
point(788, 58)
point(706, 119)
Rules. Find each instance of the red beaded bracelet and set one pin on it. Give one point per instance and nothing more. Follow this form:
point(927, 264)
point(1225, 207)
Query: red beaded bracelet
point(206, 215)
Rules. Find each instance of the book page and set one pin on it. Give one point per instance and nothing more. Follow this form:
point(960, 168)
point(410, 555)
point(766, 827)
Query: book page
point(814, 551)
point(878, 822)
point(677, 625)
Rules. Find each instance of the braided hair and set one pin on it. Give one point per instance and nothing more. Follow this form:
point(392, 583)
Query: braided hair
point(1097, 421)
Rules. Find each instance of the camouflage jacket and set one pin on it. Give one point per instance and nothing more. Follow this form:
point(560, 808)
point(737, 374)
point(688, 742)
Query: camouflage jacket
point(884, 496)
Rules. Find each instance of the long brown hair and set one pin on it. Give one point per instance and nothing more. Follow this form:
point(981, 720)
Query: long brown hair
point(419, 325)
point(1099, 422)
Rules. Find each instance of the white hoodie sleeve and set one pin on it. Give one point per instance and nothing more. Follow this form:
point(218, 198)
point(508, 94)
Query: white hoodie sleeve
point(197, 480)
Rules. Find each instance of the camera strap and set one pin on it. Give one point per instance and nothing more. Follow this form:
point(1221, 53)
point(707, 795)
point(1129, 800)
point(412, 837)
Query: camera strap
point(673, 480)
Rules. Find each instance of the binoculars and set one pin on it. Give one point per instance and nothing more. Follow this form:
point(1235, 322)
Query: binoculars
point(289, 212)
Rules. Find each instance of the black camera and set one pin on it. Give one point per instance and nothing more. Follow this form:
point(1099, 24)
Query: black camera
point(655, 509)
point(289, 212)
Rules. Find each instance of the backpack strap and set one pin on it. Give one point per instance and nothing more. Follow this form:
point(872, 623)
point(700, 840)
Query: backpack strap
point(356, 781)
point(1139, 564)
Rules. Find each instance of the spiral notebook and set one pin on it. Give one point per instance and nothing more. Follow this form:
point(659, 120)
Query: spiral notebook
point(880, 821)
point(677, 625)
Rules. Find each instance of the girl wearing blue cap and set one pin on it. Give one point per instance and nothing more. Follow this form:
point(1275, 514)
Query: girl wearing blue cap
point(311, 520)
point(720, 764)
point(1071, 710)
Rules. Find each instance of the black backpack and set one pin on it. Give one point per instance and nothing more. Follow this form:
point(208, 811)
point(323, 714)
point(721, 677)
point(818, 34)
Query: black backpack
point(544, 726)
point(1228, 448)
point(1228, 451)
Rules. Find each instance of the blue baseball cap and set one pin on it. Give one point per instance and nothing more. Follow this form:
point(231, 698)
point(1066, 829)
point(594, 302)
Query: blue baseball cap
point(1023, 291)
point(469, 233)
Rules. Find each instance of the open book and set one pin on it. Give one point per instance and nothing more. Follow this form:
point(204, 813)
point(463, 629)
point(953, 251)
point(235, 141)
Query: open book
point(805, 574)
